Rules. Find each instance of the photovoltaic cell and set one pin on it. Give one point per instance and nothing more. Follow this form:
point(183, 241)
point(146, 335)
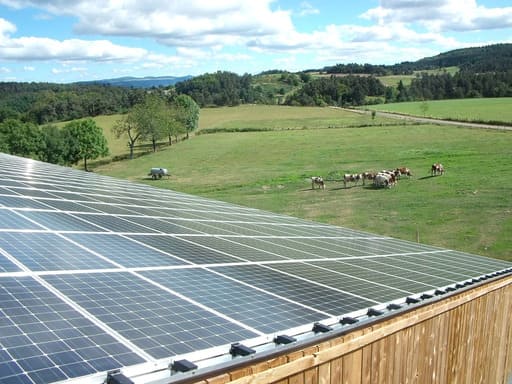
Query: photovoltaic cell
point(185, 250)
point(153, 319)
point(124, 251)
point(44, 340)
point(12, 220)
point(47, 252)
point(261, 310)
point(60, 221)
point(316, 296)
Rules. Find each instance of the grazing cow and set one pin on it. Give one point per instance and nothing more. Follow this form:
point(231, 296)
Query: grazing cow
point(382, 180)
point(317, 180)
point(385, 179)
point(437, 169)
point(404, 171)
point(368, 176)
point(354, 178)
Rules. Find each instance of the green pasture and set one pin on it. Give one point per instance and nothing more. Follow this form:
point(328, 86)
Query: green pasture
point(469, 208)
point(494, 110)
point(278, 117)
point(393, 80)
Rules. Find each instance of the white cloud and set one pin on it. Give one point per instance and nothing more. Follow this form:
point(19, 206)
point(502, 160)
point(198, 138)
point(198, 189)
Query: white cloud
point(58, 71)
point(4, 70)
point(39, 48)
point(307, 9)
point(441, 15)
point(6, 28)
point(29, 68)
point(176, 23)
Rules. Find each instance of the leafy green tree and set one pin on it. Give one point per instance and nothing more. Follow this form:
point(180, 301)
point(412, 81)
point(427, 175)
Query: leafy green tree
point(54, 145)
point(150, 119)
point(21, 139)
point(85, 140)
point(187, 112)
point(127, 125)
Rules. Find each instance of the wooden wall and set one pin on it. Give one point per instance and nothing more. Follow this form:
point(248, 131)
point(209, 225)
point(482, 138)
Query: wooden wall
point(464, 338)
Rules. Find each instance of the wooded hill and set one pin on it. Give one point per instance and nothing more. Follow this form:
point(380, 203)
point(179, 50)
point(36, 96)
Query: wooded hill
point(482, 72)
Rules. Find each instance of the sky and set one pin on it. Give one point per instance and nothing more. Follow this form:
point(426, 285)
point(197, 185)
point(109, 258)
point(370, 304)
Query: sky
point(64, 41)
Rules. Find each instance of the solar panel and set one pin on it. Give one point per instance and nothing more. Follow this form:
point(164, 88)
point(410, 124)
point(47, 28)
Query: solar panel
point(99, 274)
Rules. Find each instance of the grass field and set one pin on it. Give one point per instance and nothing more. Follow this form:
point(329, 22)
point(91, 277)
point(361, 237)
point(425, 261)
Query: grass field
point(275, 117)
point(469, 208)
point(494, 110)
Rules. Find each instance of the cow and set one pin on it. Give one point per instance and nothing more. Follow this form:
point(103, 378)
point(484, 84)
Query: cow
point(437, 169)
point(368, 176)
point(404, 171)
point(317, 180)
point(382, 180)
point(385, 179)
point(354, 178)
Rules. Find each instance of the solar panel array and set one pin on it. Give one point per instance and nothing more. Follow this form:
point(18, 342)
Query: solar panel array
point(98, 274)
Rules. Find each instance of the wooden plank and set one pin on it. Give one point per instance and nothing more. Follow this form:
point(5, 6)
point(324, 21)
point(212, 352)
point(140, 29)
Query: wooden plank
point(352, 365)
point(366, 365)
point(311, 376)
point(337, 371)
point(324, 373)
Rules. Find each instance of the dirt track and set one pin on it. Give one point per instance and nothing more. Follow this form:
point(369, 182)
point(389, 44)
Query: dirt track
point(434, 121)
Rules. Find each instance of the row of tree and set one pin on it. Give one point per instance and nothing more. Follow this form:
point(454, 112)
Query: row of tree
point(77, 140)
point(463, 84)
point(43, 103)
point(337, 90)
point(153, 119)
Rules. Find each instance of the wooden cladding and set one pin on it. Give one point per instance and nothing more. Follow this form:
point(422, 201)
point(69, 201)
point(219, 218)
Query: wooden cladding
point(464, 338)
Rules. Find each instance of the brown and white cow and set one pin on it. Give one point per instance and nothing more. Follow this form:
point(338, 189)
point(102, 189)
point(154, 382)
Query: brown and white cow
point(437, 169)
point(404, 171)
point(385, 179)
point(353, 178)
point(368, 176)
point(317, 180)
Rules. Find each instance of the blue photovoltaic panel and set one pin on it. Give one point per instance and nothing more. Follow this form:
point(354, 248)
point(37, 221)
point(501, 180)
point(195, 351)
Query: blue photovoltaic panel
point(124, 251)
point(12, 220)
point(44, 340)
point(261, 310)
point(98, 274)
point(153, 319)
point(186, 250)
point(47, 252)
point(7, 265)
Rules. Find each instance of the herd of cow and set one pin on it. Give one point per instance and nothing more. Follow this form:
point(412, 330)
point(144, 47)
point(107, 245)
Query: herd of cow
point(382, 179)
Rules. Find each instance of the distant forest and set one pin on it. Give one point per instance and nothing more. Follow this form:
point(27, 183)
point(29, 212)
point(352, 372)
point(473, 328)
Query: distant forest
point(482, 72)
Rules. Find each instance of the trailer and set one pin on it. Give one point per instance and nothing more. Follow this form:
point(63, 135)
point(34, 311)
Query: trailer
point(157, 173)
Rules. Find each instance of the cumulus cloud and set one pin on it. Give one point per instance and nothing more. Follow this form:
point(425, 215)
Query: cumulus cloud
point(176, 23)
point(307, 9)
point(441, 15)
point(38, 48)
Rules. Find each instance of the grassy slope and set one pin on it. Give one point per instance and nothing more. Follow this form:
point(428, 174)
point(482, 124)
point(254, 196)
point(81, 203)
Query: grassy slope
point(480, 110)
point(469, 208)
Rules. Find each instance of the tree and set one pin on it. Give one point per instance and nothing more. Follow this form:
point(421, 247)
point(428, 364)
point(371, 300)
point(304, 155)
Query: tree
point(127, 125)
point(85, 141)
point(21, 139)
point(187, 112)
point(150, 120)
point(54, 145)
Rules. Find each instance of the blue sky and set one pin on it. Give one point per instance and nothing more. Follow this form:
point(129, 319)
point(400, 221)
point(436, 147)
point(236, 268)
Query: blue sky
point(73, 40)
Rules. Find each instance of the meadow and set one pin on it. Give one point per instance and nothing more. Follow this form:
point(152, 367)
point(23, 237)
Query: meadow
point(469, 208)
point(482, 110)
